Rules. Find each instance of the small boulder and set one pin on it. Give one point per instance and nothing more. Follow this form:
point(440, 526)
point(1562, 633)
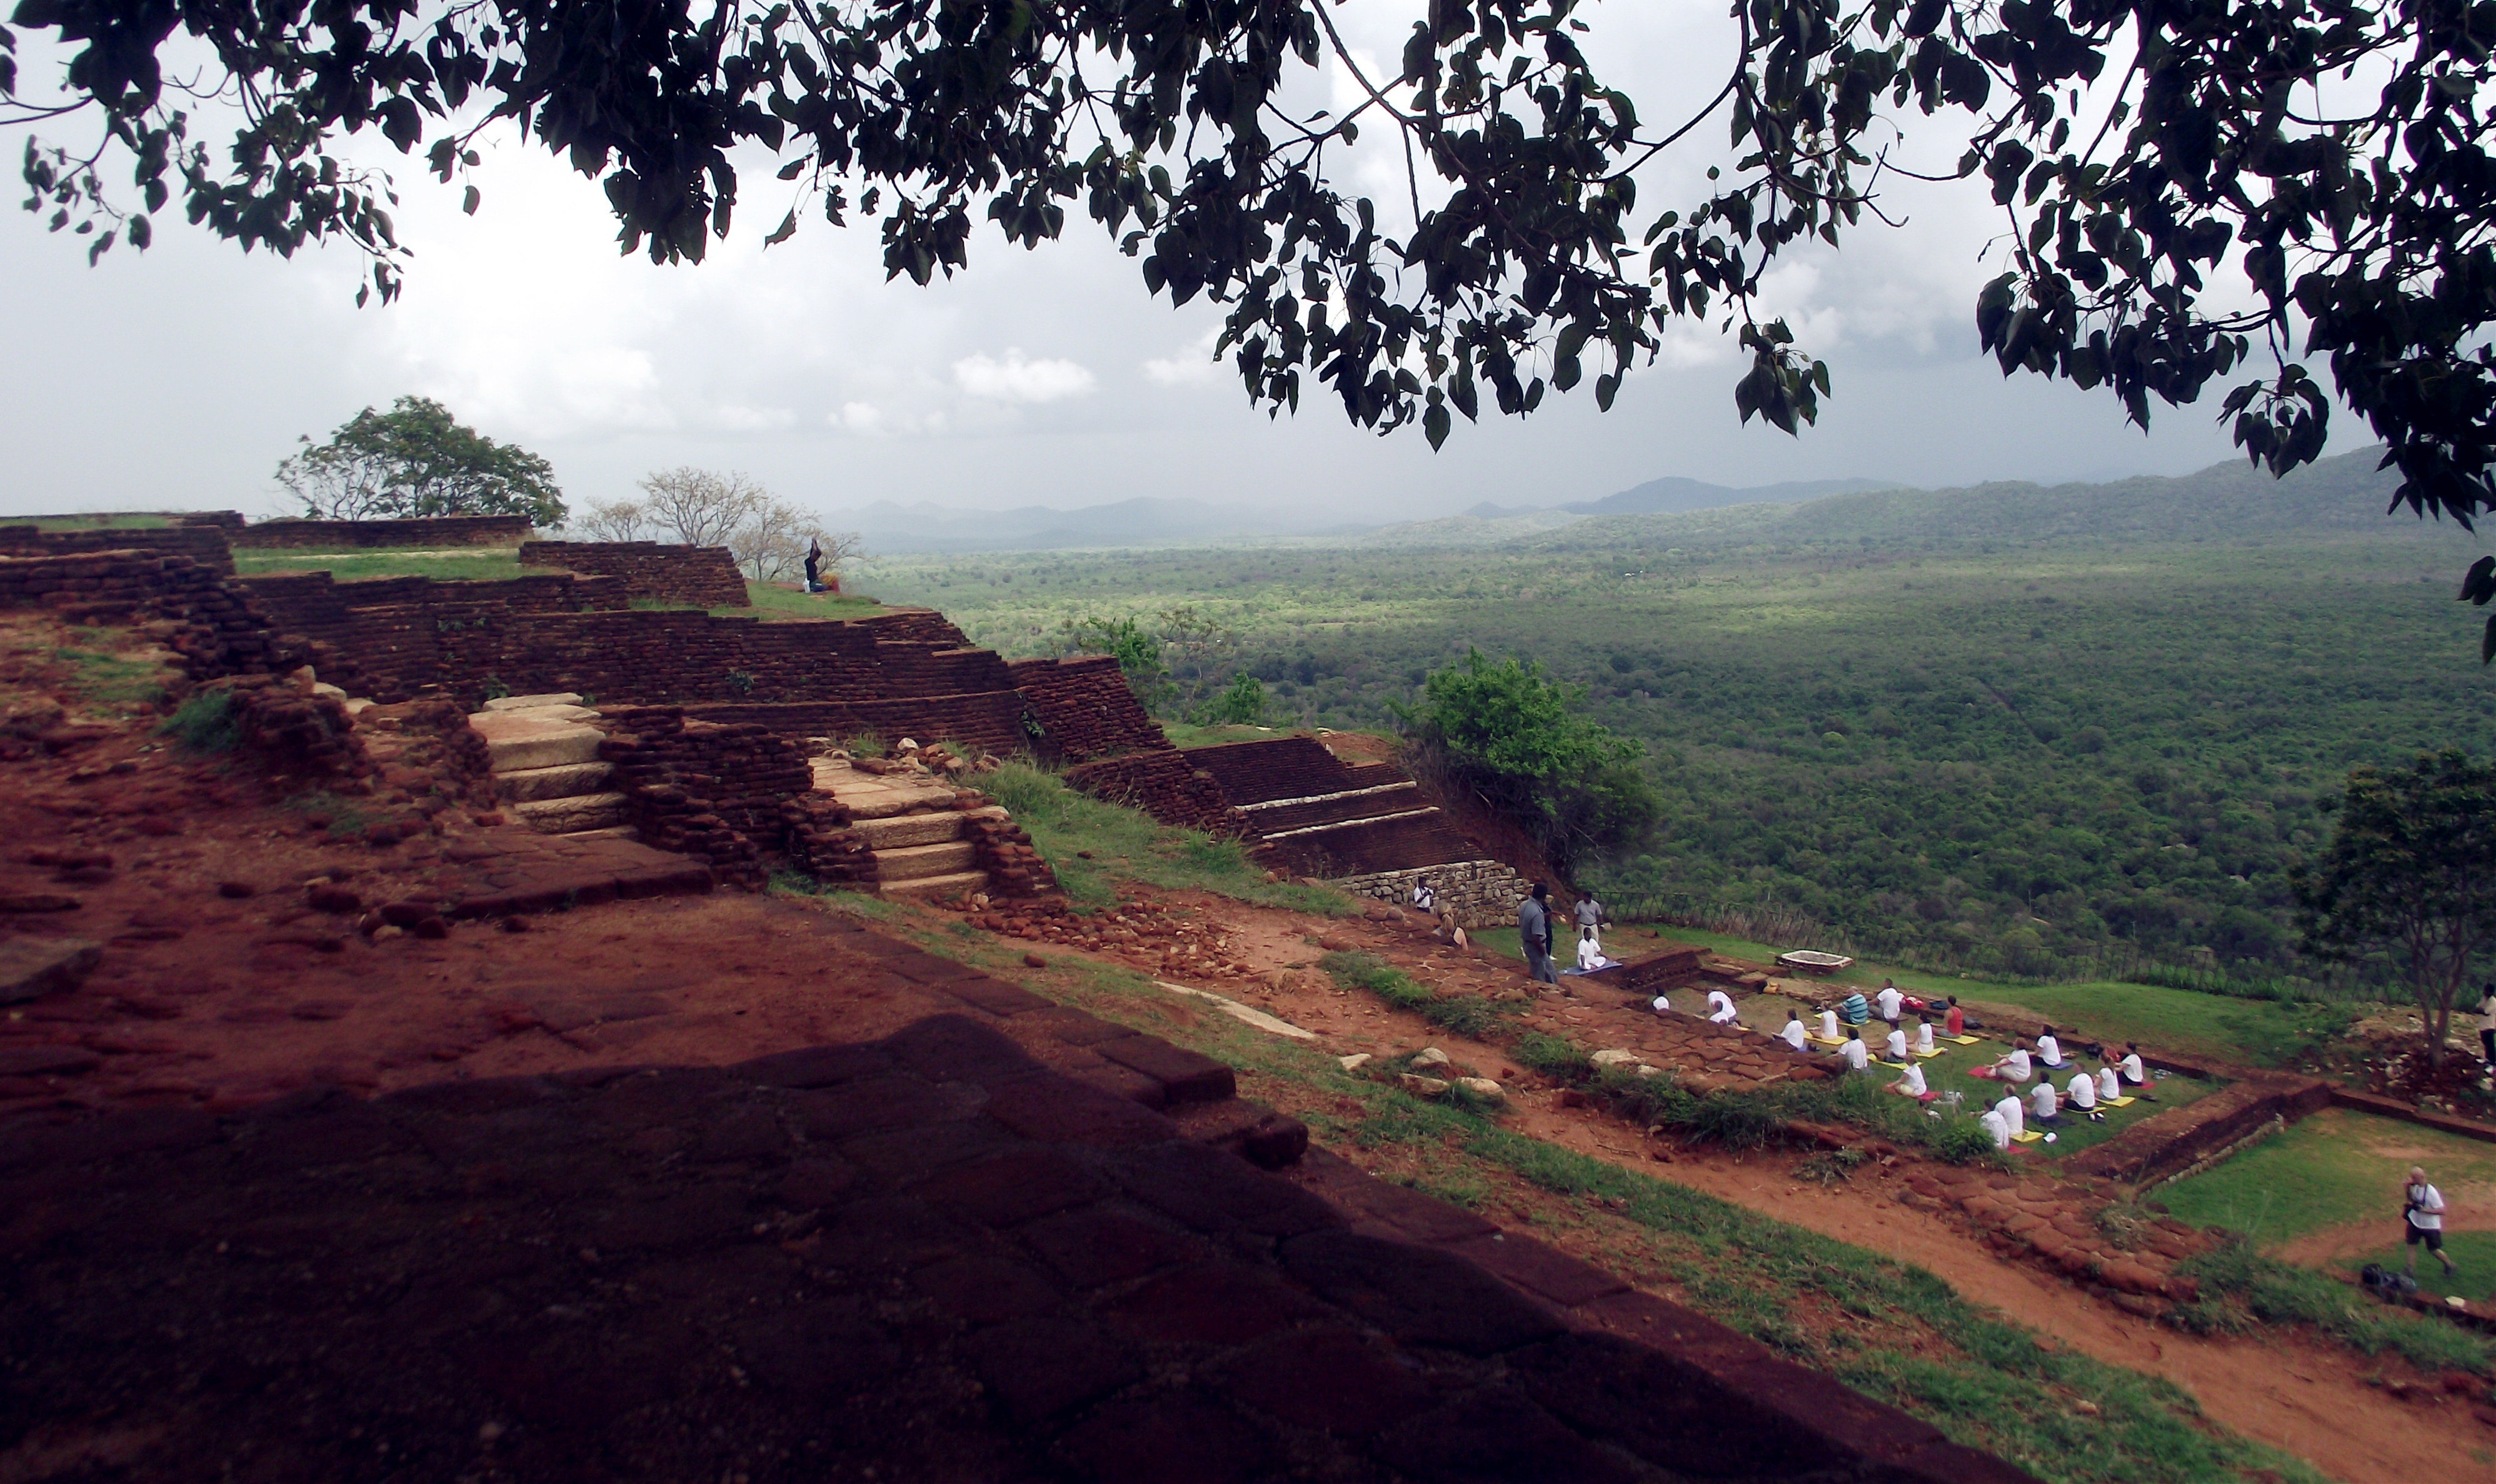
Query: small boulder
point(1483, 1087)
point(34, 966)
point(1428, 1057)
point(1614, 1057)
point(1354, 1062)
point(1426, 1087)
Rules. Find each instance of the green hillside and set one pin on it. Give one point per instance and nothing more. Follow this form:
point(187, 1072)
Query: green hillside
point(2009, 726)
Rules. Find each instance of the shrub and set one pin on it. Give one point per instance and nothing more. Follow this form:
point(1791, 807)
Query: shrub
point(204, 722)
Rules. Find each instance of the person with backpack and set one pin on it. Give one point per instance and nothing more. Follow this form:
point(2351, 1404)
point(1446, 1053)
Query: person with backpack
point(2423, 1221)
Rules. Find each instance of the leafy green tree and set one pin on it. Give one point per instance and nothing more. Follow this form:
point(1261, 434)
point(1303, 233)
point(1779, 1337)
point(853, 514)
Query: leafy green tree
point(2410, 879)
point(1514, 736)
point(1138, 654)
point(1243, 704)
point(418, 460)
point(2140, 150)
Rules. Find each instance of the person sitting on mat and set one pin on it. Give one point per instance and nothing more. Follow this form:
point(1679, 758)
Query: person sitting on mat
point(2012, 1113)
point(2017, 1066)
point(2109, 1085)
point(2047, 1106)
point(1855, 1054)
point(1662, 1005)
point(2049, 1049)
point(1828, 1025)
point(1889, 999)
point(1720, 1007)
point(1923, 1036)
point(1912, 1084)
point(1853, 1010)
point(2084, 1097)
point(1896, 1049)
point(2135, 1076)
point(1995, 1127)
point(1793, 1035)
point(1590, 953)
point(1955, 1024)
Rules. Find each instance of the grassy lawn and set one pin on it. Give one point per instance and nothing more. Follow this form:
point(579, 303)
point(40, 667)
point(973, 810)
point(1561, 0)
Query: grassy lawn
point(483, 563)
point(1092, 845)
point(2258, 1033)
point(1891, 1331)
point(1189, 734)
point(775, 600)
point(2335, 1167)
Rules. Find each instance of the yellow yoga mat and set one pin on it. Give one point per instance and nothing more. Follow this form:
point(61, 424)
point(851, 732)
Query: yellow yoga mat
point(2116, 1102)
point(1964, 1041)
point(2030, 1138)
point(1820, 1041)
point(1935, 1051)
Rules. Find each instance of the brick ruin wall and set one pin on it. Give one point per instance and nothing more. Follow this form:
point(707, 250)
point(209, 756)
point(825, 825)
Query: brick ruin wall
point(215, 630)
point(205, 544)
point(700, 576)
point(2170, 1143)
point(1165, 784)
point(371, 535)
point(1280, 768)
point(392, 638)
point(1476, 893)
point(1084, 709)
point(1370, 846)
point(716, 794)
point(983, 722)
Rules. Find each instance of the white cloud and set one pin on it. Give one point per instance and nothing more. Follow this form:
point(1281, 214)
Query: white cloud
point(1194, 365)
point(1017, 379)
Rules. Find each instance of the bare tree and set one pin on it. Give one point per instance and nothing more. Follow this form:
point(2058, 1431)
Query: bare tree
point(700, 507)
point(771, 545)
point(614, 520)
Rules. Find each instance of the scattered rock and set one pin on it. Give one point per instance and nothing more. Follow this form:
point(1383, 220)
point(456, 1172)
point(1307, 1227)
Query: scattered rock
point(324, 897)
point(1354, 1062)
point(1033, 961)
point(1426, 1087)
point(406, 914)
point(34, 966)
point(1483, 1087)
point(1428, 1057)
point(1614, 1057)
point(433, 928)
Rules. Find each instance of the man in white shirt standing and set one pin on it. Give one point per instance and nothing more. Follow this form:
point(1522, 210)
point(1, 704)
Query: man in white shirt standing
point(2422, 1221)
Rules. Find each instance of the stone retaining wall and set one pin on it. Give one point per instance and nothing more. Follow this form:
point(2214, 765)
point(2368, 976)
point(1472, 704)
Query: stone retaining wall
point(701, 576)
point(988, 721)
point(2410, 1113)
point(1162, 784)
point(710, 793)
point(296, 534)
point(1476, 893)
point(1085, 710)
point(214, 628)
point(2168, 1143)
point(205, 544)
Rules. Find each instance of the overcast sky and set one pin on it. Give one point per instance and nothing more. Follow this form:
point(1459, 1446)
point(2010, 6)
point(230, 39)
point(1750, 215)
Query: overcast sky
point(178, 378)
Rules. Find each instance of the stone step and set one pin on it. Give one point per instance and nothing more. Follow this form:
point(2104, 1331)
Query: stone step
point(611, 832)
point(518, 740)
point(900, 831)
point(563, 781)
point(531, 702)
point(569, 816)
point(921, 860)
point(935, 886)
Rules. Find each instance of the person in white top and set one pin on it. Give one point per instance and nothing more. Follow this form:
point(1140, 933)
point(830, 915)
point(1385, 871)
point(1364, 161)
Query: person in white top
point(2084, 1095)
point(1720, 1007)
point(2109, 1086)
point(2049, 1049)
point(1889, 999)
point(2134, 1075)
point(2048, 1106)
point(2422, 1221)
point(1897, 1047)
point(1853, 1053)
point(1425, 898)
point(1794, 1033)
point(1828, 1025)
point(1995, 1127)
point(1913, 1084)
point(2488, 1024)
point(1590, 953)
point(1923, 1036)
point(2012, 1113)
point(1662, 1005)
point(2015, 1067)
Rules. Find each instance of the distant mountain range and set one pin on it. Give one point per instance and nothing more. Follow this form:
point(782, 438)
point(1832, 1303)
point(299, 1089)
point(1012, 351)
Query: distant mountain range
point(2227, 501)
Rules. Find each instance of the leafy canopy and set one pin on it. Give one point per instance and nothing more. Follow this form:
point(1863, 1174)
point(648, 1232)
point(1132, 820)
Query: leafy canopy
point(2329, 155)
point(1516, 738)
point(2410, 878)
point(418, 460)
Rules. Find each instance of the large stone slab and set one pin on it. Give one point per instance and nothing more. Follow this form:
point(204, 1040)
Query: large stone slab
point(34, 966)
point(900, 831)
point(583, 812)
point(532, 702)
point(517, 740)
point(565, 779)
point(918, 860)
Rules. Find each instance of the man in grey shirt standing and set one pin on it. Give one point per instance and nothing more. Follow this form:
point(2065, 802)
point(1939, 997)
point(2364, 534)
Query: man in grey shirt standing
point(1534, 931)
point(1590, 918)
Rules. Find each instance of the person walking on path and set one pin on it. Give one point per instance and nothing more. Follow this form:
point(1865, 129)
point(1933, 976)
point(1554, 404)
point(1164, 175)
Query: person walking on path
point(1590, 921)
point(2423, 1221)
point(1534, 932)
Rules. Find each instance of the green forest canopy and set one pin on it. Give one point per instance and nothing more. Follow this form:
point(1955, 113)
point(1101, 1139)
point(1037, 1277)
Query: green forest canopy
point(2003, 738)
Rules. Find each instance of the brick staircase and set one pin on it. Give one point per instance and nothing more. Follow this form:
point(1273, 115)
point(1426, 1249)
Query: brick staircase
point(546, 771)
point(915, 824)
